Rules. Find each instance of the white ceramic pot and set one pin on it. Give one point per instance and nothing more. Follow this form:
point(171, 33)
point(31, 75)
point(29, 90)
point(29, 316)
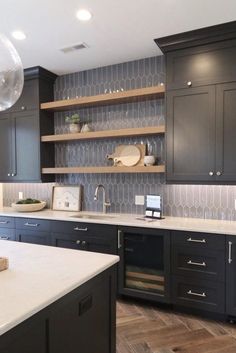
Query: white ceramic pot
point(85, 128)
point(74, 128)
point(149, 160)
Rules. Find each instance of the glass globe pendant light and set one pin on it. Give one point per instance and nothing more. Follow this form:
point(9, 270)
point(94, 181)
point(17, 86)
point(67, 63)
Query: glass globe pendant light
point(11, 74)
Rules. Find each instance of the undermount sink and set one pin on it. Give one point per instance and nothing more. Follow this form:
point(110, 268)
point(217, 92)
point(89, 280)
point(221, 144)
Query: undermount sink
point(91, 216)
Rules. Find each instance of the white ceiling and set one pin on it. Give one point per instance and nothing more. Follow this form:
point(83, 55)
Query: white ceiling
point(120, 30)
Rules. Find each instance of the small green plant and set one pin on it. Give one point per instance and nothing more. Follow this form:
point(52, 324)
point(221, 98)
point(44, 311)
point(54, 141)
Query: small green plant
point(73, 119)
point(27, 201)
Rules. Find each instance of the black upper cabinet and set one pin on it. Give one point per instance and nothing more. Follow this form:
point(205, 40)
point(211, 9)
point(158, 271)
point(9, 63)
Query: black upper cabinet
point(203, 65)
point(225, 132)
point(5, 147)
point(21, 152)
point(201, 105)
point(191, 134)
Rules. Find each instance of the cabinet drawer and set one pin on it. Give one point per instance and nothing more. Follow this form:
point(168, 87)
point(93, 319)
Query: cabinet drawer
point(199, 240)
point(33, 224)
point(88, 229)
point(206, 64)
point(83, 242)
point(7, 222)
point(7, 234)
point(199, 294)
point(198, 263)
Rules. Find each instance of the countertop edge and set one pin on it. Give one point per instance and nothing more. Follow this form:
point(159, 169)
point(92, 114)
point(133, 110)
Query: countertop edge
point(129, 220)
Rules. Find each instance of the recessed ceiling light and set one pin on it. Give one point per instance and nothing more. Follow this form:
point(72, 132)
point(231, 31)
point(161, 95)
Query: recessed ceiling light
point(19, 35)
point(84, 15)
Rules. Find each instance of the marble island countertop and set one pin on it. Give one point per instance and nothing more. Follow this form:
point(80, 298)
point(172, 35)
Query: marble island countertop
point(171, 223)
point(40, 275)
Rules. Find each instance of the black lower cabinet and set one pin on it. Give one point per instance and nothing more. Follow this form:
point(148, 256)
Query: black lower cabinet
point(34, 231)
point(7, 234)
point(85, 236)
point(81, 321)
point(144, 268)
point(7, 228)
point(231, 276)
point(198, 294)
point(198, 271)
point(33, 237)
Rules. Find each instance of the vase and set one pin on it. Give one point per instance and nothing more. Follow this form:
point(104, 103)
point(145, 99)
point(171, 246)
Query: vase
point(149, 160)
point(74, 128)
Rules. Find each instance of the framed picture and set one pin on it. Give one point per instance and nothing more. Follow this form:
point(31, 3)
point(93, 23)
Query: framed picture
point(66, 198)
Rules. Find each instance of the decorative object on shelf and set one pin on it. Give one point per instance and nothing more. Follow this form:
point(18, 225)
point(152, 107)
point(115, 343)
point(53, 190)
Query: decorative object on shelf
point(4, 263)
point(11, 74)
point(86, 128)
point(74, 123)
point(149, 160)
point(153, 207)
point(128, 155)
point(66, 198)
point(28, 205)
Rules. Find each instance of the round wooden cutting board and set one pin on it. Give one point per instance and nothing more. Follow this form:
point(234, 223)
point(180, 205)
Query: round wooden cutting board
point(128, 155)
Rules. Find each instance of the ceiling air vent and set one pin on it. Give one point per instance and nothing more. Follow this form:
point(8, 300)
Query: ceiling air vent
point(75, 47)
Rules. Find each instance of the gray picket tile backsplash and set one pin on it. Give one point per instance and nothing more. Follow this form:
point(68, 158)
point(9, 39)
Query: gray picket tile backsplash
point(201, 201)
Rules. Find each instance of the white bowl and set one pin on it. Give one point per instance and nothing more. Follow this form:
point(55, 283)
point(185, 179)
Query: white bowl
point(28, 207)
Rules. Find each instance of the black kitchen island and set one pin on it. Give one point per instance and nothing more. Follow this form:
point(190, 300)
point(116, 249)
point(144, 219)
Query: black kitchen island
point(67, 306)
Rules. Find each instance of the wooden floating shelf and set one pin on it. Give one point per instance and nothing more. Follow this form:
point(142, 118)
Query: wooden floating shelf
point(105, 99)
point(103, 170)
point(151, 130)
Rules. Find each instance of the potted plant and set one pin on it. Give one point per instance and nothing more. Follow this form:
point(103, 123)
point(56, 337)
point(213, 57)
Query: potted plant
point(73, 121)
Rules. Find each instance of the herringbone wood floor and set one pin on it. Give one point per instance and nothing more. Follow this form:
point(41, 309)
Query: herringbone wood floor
point(145, 329)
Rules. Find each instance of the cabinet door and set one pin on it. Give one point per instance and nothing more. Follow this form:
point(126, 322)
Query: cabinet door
point(29, 98)
point(26, 166)
point(202, 65)
point(191, 134)
point(225, 132)
point(33, 237)
point(230, 276)
point(5, 147)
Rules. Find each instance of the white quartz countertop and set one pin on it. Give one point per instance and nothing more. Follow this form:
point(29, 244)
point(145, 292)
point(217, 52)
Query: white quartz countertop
point(40, 275)
point(171, 223)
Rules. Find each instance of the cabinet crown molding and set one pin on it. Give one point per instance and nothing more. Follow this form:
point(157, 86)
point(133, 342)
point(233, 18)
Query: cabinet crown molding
point(197, 37)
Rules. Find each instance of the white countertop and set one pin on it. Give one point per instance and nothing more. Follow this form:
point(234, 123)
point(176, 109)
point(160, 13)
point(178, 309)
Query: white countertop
point(171, 223)
point(39, 275)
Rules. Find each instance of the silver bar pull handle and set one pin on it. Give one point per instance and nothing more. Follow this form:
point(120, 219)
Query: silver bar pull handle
point(190, 262)
point(4, 222)
point(81, 229)
point(4, 237)
point(119, 239)
point(197, 240)
point(202, 295)
point(27, 224)
point(230, 252)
